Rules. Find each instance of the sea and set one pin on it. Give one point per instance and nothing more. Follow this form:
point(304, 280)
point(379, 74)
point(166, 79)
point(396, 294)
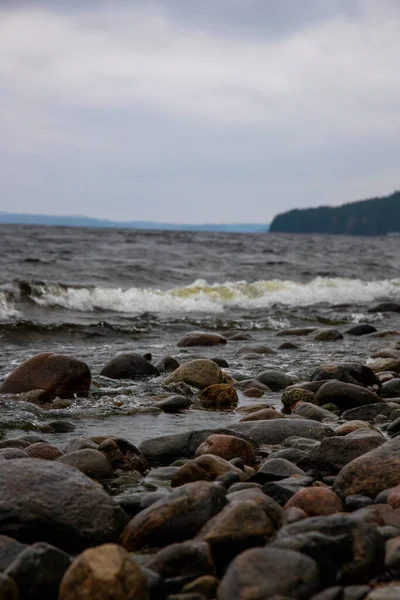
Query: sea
point(95, 293)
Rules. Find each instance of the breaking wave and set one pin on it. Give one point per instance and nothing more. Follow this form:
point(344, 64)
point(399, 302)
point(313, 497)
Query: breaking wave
point(201, 296)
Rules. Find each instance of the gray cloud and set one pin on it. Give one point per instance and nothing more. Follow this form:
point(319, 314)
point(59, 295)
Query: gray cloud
point(197, 111)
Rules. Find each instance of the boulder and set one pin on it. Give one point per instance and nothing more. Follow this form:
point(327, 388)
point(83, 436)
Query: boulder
point(201, 338)
point(298, 331)
point(129, 366)
point(372, 472)
point(263, 415)
point(218, 395)
point(228, 447)
point(368, 412)
point(175, 518)
point(103, 573)
point(382, 364)
point(206, 467)
point(277, 430)
point(313, 412)
point(54, 502)
point(391, 389)
point(326, 335)
point(276, 380)
point(268, 572)
point(316, 501)
point(8, 588)
point(345, 395)
point(255, 349)
point(293, 395)
point(43, 450)
point(174, 404)
point(388, 591)
point(122, 455)
point(199, 373)
point(186, 559)
point(91, 462)
point(348, 372)
point(385, 307)
point(274, 469)
point(361, 329)
point(55, 374)
point(166, 364)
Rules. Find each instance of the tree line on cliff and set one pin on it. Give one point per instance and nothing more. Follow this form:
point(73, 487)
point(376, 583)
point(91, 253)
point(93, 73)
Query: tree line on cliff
point(376, 216)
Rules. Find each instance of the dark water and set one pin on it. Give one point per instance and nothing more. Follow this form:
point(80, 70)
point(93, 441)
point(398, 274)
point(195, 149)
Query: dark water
point(95, 293)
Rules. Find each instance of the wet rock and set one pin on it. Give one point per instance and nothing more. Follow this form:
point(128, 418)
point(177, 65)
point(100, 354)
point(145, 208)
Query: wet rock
point(228, 447)
point(9, 550)
point(201, 338)
point(189, 559)
point(206, 467)
point(385, 307)
point(382, 364)
point(174, 404)
point(345, 395)
point(265, 572)
point(166, 364)
point(367, 412)
point(391, 389)
point(122, 455)
point(277, 430)
point(393, 498)
point(392, 556)
point(134, 502)
point(199, 373)
point(221, 362)
point(176, 518)
point(291, 454)
point(326, 335)
point(8, 588)
point(239, 526)
point(102, 573)
point(255, 349)
point(292, 396)
point(271, 508)
point(44, 451)
point(301, 443)
point(386, 353)
point(177, 445)
point(10, 453)
point(253, 393)
point(274, 379)
point(311, 411)
point(372, 472)
point(218, 395)
point(299, 331)
point(38, 570)
point(389, 591)
point(61, 426)
point(275, 469)
point(281, 491)
point(356, 502)
point(246, 384)
point(56, 374)
point(206, 585)
point(53, 502)
point(333, 453)
point(288, 346)
point(90, 462)
point(129, 366)
point(348, 372)
point(361, 329)
point(79, 443)
point(264, 414)
point(316, 501)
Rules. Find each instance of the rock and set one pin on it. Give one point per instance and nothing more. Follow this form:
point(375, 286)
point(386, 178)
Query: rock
point(271, 508)
point(264, 414)
point(247, 384)
point(275, 469)
point(291, 454)
point(288, 346)
point(189, 559)
point(382, 364)
point(10, 453)
point(228, 447)
point(326, 335)
point(316, 501)
point(176, 518)
point(167, 364)
point(91, 462)
point(9, 550)
point(253, 393)
point(299, 331)
point(394, 496)
point(55, 374)
point(122, 455)
point(392, 556)
point(53, 502)
point(206, 467)
point(201, 338)
point(281, 491)
point(199, 373)
point(206, 585)
point(43, 450)
point(129, 366)
point(8, 588)
point(388, 591)
point(344, 395)
point(292, 396)
point(277, 430)
point(274, 379)
point(313, 412)
point(348, 372)
point(218, 395)
point(221, 362)
point(265, 572)
point(387, 352)
point(255, 349)
point(301, 443)
point(385, 307)
point(367, 412)
point(79, 443)
point(38, 570)
point(372, 472)
point(174, 404)
point(352, 426)
point(239, 526)
point(361, 329)
point(106, 572)
point(333, 453)
point(356, 502)
point(391, 389)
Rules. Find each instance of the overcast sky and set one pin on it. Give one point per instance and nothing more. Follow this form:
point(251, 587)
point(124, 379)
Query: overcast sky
point(197, 110)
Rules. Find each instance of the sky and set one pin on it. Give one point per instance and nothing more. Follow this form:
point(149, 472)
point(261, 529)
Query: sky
point(197, 111)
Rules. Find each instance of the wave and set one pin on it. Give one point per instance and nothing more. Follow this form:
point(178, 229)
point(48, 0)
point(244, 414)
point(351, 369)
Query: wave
point(201, 296)
point(8, 309)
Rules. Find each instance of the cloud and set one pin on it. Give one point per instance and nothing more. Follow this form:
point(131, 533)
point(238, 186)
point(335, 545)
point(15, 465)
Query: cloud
point(190, 97)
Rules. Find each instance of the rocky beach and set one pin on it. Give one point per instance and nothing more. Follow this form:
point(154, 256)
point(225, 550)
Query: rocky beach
point(198, 416)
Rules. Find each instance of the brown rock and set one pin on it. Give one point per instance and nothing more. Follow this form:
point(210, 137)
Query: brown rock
point(394, 497)
point(345, 395)
point(297, 331)
point(255, 349)
point(43, 450)
point(292, 396)
point(263, 415)
point(228, 447)
point(186, 559)
point(351, 426)
point(199, 373)
point(385, 364)
point(123, 455)
point(56, 374)
point(90, 462)
point(204, 468)
point(8, 588)
point(206, 585)
point(326, 335)
point(253, 392)
point(316, 501)
point(106, 572)
point(218, 395)
point(201, 338)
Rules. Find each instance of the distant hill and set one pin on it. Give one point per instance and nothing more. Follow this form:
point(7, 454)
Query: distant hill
point(377, 216)
point(76, 221)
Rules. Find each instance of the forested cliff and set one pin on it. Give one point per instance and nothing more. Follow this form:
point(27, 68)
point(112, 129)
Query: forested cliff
point(377, 216)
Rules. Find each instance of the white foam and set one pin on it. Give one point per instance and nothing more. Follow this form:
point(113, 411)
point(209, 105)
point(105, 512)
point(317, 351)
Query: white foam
point(214, 298)
point(7, 309)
